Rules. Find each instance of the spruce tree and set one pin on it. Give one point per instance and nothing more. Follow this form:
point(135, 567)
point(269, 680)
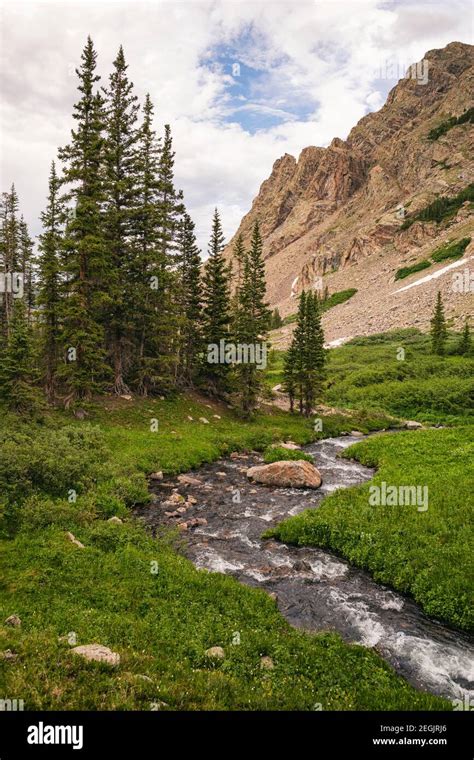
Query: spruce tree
point(314, 354)
point(147, 266)
point(252, 323)
point(84, 258)
point(120, 160)
point(298, 349)
point(238, 261)
point(27, 268)
point(50, 283)
point(464, 346)
point(190, 301)
point(18, 375)
point(276, 320)
point(10, 254)
point(438, 328)
point(216, 315)
point(170, 201)
point(289, 376)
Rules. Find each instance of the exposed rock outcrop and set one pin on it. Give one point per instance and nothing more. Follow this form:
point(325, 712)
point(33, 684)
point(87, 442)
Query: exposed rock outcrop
point(337, 212)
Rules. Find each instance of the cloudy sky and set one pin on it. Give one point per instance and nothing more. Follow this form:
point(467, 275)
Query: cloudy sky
point(241, 83)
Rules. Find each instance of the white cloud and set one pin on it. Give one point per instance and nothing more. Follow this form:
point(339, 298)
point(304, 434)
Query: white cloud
point(320, 58)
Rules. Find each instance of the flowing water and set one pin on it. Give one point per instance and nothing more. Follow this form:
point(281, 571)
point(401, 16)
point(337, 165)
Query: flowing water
point(315, 590)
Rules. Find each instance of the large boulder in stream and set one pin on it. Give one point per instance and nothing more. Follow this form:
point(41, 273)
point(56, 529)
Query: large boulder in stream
point(287, 474)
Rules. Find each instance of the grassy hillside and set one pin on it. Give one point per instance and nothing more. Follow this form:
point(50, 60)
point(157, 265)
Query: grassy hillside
point(426, 554)
point(162, 622)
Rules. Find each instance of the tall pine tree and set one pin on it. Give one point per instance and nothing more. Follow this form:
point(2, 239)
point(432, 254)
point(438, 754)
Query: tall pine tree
point(18, 375)
point(120, 158)
point(27, 268)
point(190, 301)
point(464, 345)
point(251, 324)
point(84, 247)
point(216, 314)
point(439, 332)
point(50, 283)
point(10, 255)
point(314, 354)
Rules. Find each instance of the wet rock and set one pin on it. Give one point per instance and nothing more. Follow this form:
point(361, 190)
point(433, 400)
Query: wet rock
point(181, 510)
point(301, 566)
point(175, 513)
point(97, 653)
point(156, 475)
point(215, 652)
point(189, 480)
point(194, 521)
point(72, 538)
point(221, 474)
point(266, 663)
point(190, 501)
point(183, 526)
point(413, 425)
point(287, 474)
point(289, 445)
point(174, 498)
point(14, 621)
point(356, 434)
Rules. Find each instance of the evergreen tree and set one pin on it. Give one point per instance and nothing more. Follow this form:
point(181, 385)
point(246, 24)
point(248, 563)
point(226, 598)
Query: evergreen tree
point(27, 268)
point(84, 248)
point(10, 255)
point(298, 350)
point(170, 201)
point(438, 328)
point(190, 300)
point(120, 158)
point(238, 259)
point(251, 323)
point(18, 374)
point(147, 266)
point(289, 376)
point(314, 354)
point(276, 320)
point(464, 346)
point(304, 367)
point(49, 295)
point(216, 315)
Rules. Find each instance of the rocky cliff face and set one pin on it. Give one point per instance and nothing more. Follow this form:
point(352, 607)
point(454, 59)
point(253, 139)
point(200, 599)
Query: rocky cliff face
point(336, 212)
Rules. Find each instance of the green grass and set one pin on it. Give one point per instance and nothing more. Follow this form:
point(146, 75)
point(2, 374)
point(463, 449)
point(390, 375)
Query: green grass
point(370, 374)
point(428, 555)
point(278, 454)
point(452, 250)
point(400, 274)
point(160, 623)
point(425, 554)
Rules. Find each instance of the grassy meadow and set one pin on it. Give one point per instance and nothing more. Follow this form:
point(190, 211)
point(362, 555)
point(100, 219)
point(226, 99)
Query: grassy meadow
point(59, 474)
